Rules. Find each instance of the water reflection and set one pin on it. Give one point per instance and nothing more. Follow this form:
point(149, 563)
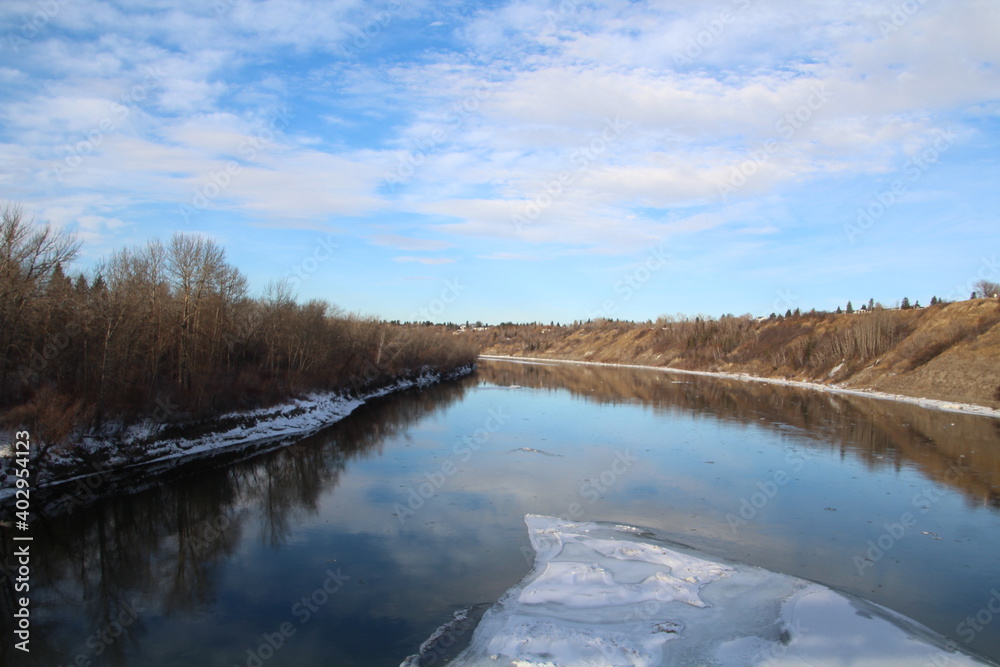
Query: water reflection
point(952, 449)
point(214, 556)
point(112, 565)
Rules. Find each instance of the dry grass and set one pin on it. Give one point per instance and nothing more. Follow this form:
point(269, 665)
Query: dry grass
point(949, 351)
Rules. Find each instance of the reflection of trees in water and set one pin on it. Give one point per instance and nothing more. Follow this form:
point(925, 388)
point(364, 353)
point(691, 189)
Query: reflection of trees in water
point(955, 450)
point(159, 550)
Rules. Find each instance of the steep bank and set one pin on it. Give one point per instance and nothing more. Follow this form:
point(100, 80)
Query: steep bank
point(948, 352)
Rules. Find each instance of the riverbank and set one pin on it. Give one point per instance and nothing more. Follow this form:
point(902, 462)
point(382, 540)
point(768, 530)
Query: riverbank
point(930, 403)
point(145, 450)
point(947, 352)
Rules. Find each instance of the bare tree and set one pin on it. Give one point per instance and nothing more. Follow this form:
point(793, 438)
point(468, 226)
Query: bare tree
point(986, 289)
point(278, 306)
point(198, 271)
point(174, 319)
point(122, 321)
point(29, 255)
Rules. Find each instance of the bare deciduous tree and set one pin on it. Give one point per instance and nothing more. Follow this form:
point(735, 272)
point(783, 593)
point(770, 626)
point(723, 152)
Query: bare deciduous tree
point(174, 323)
point(29, 254)
point(986, 289)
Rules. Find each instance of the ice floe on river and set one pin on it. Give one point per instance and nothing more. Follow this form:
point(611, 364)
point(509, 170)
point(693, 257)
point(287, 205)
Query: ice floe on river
point(608, 595)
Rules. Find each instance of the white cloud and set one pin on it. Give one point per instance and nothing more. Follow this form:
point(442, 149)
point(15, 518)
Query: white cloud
point(559, 72)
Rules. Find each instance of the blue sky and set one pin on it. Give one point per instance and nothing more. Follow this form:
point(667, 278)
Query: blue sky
point(522, 161)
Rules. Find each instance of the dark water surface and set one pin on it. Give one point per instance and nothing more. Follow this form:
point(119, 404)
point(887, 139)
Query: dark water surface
point(353, 545)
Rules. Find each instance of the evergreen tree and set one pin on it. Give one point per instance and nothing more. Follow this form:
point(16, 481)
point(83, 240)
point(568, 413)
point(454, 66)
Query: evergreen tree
point(850, 308)
point(905, 305)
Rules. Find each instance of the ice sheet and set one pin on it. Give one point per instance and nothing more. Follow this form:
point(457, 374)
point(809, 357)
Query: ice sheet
point(604, 595)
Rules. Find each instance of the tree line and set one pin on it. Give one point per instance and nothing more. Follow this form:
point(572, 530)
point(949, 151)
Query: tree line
point(170, 331)
point(813, 345)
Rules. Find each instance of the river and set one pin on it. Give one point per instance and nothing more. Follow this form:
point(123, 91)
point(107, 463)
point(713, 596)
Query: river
point(350, 547)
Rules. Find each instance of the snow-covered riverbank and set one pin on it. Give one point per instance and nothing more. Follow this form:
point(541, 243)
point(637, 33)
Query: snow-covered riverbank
point(256, 430)
point(934, 404)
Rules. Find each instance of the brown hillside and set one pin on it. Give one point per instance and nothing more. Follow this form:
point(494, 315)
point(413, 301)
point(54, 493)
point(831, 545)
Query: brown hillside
point(947, 352)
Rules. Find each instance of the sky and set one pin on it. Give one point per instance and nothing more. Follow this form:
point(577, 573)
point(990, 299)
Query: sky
point(522, 161)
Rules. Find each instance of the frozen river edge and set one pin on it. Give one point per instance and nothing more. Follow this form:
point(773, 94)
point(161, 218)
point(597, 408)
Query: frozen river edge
point(252, 431)
point(930, 403)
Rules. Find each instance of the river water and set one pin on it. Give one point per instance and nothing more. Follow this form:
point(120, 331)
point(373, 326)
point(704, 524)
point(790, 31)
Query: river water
point(350, 547)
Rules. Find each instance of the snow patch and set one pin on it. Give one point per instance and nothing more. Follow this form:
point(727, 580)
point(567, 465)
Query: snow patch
point(292, 420)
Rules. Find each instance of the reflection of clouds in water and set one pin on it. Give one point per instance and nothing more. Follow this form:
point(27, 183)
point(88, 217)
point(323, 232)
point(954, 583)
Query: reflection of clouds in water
point(701, 447)
point(482, 505)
